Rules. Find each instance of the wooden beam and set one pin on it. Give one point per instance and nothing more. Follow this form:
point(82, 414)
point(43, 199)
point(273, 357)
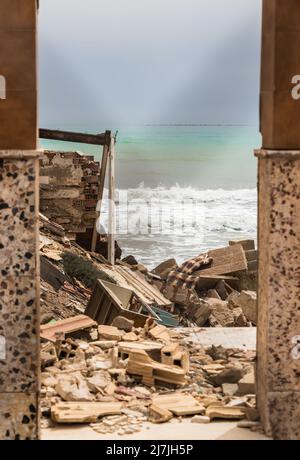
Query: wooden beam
point(112, 206)
point(83, 138)
point(102, 176)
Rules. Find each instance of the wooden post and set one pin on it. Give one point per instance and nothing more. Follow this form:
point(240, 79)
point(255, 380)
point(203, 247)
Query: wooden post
point(101, 189)
point(112, 210)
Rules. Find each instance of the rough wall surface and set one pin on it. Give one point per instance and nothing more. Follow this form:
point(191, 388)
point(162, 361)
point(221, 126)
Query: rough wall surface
point(18, 104)
point(19, 295)
point(278, 366)
point(280, 107)
point(69, 189)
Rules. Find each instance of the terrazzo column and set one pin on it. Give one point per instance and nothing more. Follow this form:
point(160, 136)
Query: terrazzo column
point(19, 258)
point(278, 339)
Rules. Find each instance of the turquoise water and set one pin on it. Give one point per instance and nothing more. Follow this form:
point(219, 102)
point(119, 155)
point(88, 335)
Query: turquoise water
point(187, 188)
point(198, 156)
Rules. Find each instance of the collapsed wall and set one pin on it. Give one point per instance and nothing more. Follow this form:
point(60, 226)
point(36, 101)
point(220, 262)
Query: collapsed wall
point(69, 190)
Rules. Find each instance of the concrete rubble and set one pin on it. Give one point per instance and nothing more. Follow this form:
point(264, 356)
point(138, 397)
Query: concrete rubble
point(135, 367)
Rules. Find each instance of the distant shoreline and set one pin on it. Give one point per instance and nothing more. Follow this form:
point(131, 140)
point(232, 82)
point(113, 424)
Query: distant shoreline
point(196, 124)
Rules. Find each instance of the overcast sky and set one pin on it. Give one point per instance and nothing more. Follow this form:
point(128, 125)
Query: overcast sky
point(149, 61)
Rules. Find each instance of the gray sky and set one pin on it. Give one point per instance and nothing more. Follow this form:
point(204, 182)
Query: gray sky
point(149, 61)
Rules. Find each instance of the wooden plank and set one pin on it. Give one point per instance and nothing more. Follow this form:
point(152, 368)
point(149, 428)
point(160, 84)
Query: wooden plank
point(68, 136)
point(100, 195)
point(84, 412)
point(112, 207)
point(138, 282)
point(145, 291)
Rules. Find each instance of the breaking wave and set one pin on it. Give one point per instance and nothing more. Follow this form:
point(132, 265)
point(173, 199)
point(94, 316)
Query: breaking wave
point(155, 224)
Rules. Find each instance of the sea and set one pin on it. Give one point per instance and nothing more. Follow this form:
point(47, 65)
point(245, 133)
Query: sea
point(180, 189)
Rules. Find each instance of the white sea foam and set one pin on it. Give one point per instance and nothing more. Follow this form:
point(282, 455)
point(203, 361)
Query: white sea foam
point(159, 223)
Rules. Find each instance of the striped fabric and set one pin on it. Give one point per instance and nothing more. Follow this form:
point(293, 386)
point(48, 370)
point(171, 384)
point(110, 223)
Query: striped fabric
point(183, 275)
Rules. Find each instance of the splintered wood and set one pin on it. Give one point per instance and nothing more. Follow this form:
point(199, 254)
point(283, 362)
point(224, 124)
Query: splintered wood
point(125, 278)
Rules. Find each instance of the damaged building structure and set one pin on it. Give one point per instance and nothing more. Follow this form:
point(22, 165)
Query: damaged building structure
point(110, 333)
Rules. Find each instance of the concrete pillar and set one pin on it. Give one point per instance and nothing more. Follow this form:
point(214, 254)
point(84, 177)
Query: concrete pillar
point(19, 258)
point(278, 346)
point(278, 341)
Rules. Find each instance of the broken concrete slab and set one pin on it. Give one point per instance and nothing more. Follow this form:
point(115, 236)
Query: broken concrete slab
point(99, 381)
point(66, 326)
point(201, 419)
point(199, 312)
point(247, 301)
point(72, 412)
point(179, 404)
point(160, 332)
point(110, 333)
point(231, 375)
point(164, 268)
point(175, 355)
point(72, 387)
point(222, 412)
point(220, 313)
point(159, 414)
point(246, 385)
point(225, 261)
point(140, 364)
point(230, 389)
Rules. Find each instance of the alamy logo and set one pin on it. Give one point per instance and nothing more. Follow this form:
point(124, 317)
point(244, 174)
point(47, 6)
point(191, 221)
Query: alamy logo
point(2, 87)
point(296, 89)
point(295, 353)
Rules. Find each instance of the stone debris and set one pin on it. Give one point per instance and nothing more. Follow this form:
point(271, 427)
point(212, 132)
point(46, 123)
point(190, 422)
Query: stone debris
point(247, 301)
point(107, 373)
point(228, 413)
point(203, 419)
point(230, 389)
point(110, 333)
point(124, 373)
point(246, 385)
point(73, 387)
point(123, 323)
point(231, 375)
point(159, 414)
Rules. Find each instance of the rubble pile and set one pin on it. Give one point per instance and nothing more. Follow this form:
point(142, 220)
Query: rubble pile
point(222, 294)
point(113, 354)
point(116, 385)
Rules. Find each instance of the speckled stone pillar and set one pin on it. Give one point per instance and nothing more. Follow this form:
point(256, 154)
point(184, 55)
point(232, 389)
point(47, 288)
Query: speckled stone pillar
point(19, 295)
point(278, 341)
